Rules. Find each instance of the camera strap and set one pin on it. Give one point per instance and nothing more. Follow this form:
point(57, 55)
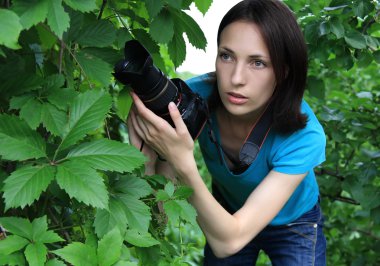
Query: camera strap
point(256, 137)
point(253, 142)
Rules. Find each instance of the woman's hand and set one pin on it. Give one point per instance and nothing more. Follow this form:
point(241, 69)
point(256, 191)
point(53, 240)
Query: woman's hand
point(174, 144)
point(138, 142)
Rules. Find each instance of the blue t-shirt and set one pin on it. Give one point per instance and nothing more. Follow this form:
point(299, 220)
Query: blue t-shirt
point(294, 153)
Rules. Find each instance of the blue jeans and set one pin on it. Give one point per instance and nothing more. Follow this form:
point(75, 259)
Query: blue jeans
point(301, 242)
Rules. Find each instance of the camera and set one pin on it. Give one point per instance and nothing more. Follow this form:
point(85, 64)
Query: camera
point(156, 91)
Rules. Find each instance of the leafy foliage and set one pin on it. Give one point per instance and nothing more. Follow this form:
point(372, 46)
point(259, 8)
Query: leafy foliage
point(71, 183)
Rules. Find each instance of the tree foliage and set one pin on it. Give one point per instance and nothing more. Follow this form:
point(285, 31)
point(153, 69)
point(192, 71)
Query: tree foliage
point(72, 187)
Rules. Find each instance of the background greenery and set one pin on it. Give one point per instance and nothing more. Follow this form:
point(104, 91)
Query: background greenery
point(72, 188)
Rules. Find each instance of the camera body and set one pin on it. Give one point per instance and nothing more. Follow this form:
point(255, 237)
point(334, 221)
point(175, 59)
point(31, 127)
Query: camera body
point(157, 91)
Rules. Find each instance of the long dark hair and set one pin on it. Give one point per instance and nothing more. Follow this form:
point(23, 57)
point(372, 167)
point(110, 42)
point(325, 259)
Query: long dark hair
point(288, 54)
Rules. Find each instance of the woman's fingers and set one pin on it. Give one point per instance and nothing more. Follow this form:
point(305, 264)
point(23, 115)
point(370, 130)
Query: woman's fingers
point(179, 124)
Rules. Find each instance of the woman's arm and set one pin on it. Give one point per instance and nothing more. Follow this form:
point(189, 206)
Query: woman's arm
point(226, 233)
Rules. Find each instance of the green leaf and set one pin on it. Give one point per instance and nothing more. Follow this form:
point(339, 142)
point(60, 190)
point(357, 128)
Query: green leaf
point(108, 155)
point(203, 5)
point(336, 27)
point(31, 12)
point(162, 195)
point(35, 254)
point(355, 40)
point(41, 233)
point(26, 184)
point(14, 259)
point(95, 68)
point(53, 119)
point(18, 141)
point(83, 183)
point(183, 192)
point(10, 28)
point(133, 186)
point(140, 239)
point(83, 5)
point(175, 3)
point(31, 113)
point(86, 114)
point(163, 20)
point(137, 213)
point(169, 188)
point(188, 25)
point(100, 33)
point(177, 49)
point(154, 7)
point(58, 20)
point(12, 244)
point(123, 104)
point(188, 213)
point(78, 254)
point(62, 98)
point(106, 220)
point(172, 210)
point(316, 87)
point(176, 209)
point(109, 248)
point(55, 262)
point(17, 226)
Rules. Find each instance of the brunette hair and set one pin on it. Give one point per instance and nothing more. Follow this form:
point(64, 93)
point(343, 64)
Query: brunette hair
point(288, 54)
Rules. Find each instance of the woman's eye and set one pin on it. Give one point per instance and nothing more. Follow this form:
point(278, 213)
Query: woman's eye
point(258, 63)
point(225, 56)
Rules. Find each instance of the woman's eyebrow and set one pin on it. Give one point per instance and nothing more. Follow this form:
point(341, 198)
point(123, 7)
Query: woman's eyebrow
point(253, 56)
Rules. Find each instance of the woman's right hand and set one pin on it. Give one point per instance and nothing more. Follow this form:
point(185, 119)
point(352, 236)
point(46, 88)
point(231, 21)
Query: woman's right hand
point(137, 141)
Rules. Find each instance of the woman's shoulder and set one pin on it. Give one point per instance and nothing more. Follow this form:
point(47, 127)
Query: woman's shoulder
point(202, 84)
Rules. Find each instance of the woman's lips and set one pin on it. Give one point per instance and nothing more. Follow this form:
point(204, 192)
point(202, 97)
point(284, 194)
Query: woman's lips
point(236, 98)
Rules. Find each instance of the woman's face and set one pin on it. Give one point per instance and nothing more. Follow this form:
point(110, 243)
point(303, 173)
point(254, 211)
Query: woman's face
point(245, 75)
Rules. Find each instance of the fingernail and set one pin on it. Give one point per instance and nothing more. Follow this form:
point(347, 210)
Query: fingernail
point(172, 106)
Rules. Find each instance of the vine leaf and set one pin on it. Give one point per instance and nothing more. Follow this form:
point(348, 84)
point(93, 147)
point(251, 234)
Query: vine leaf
point(11, 244)
point(188, 25)
point(26, 184)
point(57, 18)
point(177, 49)
point(78, 254)
point(35, 253)
point(203, 5)
point(83, 5)
point(105, 220)
point(86, 114)
point(139, 239)
point(155, 30)
point(83, 183)
point(109, 248)
point(18, 141)
point(95, 68)
point(108, 155)
point(10, 28)
point(153, 7)
point(29, 234)
point(137, 213)
point(31, 12)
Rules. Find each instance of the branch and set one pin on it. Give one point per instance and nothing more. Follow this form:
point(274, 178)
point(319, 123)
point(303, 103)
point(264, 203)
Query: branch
point(370, 234)
point(324, 171)
point(102, 9)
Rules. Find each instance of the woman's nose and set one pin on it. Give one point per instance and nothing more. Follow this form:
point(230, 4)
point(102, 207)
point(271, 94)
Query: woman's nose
point(238, 75)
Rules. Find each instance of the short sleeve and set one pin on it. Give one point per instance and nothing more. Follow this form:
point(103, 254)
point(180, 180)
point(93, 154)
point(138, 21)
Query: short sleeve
point(201, 85)
point(301, 151)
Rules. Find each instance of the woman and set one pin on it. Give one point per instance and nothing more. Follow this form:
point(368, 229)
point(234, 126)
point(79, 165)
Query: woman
point(271, 201)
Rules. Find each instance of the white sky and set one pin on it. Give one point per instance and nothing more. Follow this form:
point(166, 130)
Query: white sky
point(197, 61)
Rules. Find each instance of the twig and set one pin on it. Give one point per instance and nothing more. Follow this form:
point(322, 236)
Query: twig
point(102, 9)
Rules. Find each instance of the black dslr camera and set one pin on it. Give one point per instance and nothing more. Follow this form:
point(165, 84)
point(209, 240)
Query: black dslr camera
point(157, 91)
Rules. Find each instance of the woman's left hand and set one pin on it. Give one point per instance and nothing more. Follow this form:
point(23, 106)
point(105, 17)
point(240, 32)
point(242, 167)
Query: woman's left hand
point(174, 144)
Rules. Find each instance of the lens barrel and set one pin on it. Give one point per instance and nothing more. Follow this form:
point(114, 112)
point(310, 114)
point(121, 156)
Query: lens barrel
point(157, 91)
